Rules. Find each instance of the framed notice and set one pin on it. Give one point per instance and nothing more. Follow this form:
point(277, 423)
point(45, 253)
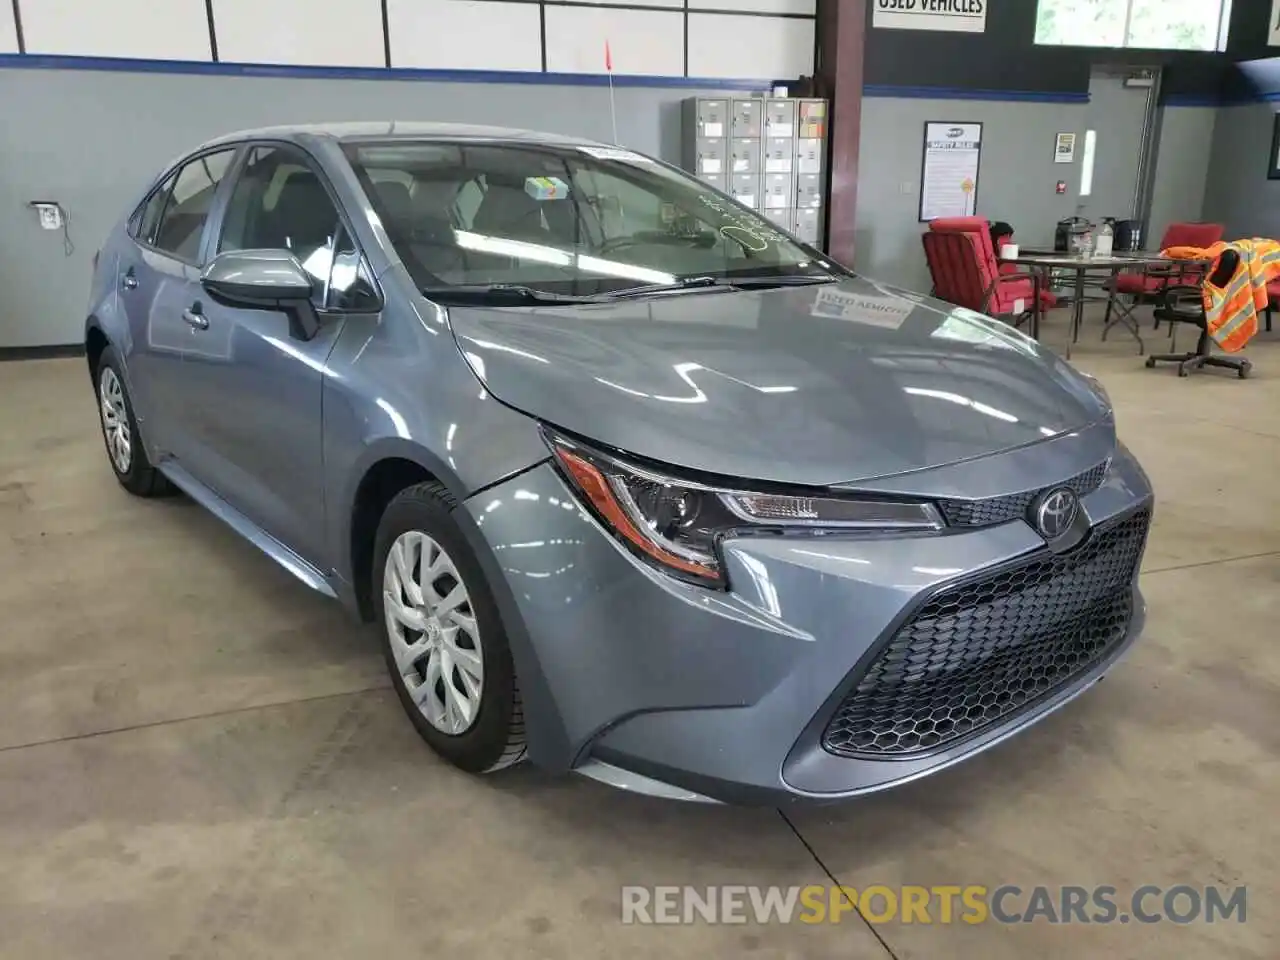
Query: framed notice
point(1064, 148)
point(969, 16)
point(949, 172)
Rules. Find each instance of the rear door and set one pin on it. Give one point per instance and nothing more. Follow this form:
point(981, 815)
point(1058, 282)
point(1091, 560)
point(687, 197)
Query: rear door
point(159, 273)
point(252, 385)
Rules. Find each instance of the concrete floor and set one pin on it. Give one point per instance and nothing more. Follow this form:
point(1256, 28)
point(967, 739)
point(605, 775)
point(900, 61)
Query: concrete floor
point(200, 758)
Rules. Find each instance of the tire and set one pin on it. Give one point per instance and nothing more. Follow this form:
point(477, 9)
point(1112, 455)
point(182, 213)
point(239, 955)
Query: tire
point(478, 728)
point(115, 410)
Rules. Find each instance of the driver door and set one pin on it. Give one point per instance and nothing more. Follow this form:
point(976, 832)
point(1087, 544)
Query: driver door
point(253, 384)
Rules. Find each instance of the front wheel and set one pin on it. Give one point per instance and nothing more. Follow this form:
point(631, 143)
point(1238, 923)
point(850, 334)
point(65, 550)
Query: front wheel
point(125, 451)
point(443, 641)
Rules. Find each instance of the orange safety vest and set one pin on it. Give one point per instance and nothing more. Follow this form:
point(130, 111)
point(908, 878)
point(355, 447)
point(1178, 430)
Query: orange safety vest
point(1231, 311)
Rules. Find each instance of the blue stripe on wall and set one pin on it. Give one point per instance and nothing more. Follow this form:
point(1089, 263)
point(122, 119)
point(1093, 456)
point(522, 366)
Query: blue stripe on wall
point(961, 93)
point(28, 61)
point(1191, 100)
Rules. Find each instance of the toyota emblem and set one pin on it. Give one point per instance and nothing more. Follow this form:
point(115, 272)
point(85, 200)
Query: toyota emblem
point(1056, 512)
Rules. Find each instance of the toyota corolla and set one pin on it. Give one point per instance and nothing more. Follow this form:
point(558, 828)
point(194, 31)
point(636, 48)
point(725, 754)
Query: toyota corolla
point(632, 482)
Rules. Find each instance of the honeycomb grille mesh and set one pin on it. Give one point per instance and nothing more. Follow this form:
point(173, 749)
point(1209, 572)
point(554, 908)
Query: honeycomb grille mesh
point(977, 652)
point(993, 510)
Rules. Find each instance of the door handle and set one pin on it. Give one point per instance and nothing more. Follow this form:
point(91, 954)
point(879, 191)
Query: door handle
point(195, 317)
point(130, 280)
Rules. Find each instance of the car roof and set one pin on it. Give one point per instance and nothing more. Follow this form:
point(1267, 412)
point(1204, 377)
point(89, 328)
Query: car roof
point(401, 129)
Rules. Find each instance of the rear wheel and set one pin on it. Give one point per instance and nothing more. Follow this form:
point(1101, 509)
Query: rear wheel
point(443, 640)
point(125, 451)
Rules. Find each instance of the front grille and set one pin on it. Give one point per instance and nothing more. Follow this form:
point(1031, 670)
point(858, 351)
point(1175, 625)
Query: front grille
point(977, 652)
point(993, 510)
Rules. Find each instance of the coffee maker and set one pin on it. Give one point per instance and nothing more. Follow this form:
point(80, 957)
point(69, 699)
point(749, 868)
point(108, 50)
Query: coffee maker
point(1067, 229)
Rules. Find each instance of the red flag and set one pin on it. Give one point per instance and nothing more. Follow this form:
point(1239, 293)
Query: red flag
point(608, 57)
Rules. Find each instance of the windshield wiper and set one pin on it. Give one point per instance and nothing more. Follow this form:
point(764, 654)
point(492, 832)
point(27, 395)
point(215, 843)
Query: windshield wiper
point(721, 283)
point(501, 294)
point(688, 283)
point(783, 280)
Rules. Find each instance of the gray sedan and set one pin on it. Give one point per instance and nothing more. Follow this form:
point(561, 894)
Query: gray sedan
point(632, 482)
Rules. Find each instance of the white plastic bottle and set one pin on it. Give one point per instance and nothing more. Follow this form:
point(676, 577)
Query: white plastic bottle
point(1106, 237)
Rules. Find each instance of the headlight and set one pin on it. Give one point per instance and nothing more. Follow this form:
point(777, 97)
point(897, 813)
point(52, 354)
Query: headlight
point(677, 524)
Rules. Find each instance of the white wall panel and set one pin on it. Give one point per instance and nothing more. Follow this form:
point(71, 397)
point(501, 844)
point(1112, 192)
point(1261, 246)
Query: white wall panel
point(299, 32)
point(770, 48)
point(145, 29)
point(642, 41)
point(8, 33)
point(757, 6)
point(464, 35)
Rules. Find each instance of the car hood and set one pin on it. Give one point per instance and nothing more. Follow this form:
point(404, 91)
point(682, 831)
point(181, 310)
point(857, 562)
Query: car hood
point(819, 385)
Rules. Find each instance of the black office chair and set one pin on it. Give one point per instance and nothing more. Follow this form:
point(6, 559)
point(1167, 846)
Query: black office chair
point(1183, 304)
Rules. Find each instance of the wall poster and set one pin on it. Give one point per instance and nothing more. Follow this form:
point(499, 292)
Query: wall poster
point(1064, 148)
point(949, 175)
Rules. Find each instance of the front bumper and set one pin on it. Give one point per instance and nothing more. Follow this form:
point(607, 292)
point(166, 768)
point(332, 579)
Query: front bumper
point(644, 681)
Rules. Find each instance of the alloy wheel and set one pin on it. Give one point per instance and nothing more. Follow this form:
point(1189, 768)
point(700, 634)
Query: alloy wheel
point(433, 633)
point(115, 420)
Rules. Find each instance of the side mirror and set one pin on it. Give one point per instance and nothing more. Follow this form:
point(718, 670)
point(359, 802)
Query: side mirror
point(267, 279)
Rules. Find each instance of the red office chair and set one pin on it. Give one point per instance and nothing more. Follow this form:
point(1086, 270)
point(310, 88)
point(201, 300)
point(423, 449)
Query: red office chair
point(1145, 286)
point(965, 272)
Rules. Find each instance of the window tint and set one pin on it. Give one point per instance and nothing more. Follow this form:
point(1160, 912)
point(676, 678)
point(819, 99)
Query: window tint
point(280, 203)
point(182, 223)
point(148, 216)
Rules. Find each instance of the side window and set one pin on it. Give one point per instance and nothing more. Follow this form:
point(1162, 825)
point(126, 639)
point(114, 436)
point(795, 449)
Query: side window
point(280, 203)
point(181, 224)
point(350, 286)
point(144, 223)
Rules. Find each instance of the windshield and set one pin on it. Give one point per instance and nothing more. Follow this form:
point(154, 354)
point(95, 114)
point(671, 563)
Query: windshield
point(563, 219)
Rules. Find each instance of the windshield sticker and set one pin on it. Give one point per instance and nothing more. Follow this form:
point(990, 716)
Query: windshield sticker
point(546, 188)
point(615, 153)
point(749, 239)
point(740, 227)
point(875, 311)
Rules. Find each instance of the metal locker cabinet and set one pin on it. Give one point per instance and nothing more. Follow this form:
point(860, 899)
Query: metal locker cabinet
point(779, 155)
point(808, 225)
point(712, 118)
point(748, 118)
point(780, 118)
point(809, 155)
point(711, 161)
point(744, 156)
point(745, 188)
point(777, 191)
point(808, 190)
point(782, 217)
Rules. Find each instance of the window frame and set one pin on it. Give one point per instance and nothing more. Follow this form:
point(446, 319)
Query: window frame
point(169, 178)
point(1220, 35)
point(217, 218)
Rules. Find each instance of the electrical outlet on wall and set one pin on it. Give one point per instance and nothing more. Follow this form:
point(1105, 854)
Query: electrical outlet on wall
point(50, 214)
point(906, 188)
